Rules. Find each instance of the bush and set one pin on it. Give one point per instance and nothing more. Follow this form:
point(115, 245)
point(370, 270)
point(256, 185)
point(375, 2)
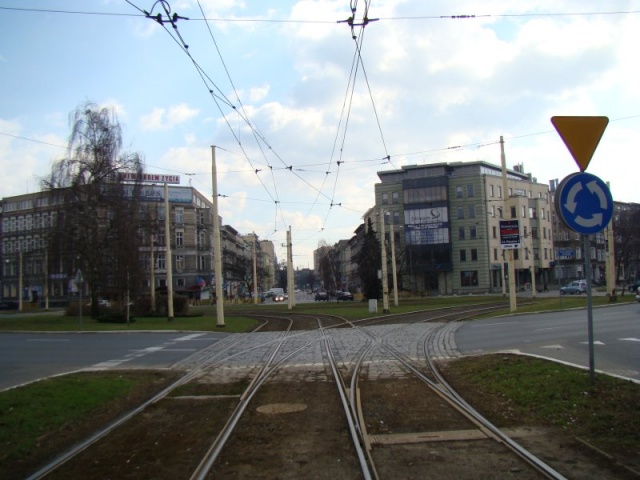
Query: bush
point(142, 306)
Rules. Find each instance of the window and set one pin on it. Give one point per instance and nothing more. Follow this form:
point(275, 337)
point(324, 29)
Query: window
point(396, 218)
point(546, 254)
point(524, 211)
point(499, 192)
point(494, 231)
point(385, 198)
point(463, 255)
point(179, 215)
point(460, 213)
point(461, 233)
point(202, 262)
point(470, 191)
point(394, 197)
point(201, 238)
point(536, 254)
point(495, 254)
point(474, 254)
point(179, 238)
point(544, 232)
point(179, 263)
point(201, 217)
point(526, 254)
point(472, 211)
point(469, 278)
point(491, 192)
point(513, 212)
point(534, 232)
point(473, 232)
point(161, 261)
point(459, 191)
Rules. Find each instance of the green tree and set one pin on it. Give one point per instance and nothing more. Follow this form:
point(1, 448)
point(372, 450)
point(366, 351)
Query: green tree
point(369, 261)
point(97, 226)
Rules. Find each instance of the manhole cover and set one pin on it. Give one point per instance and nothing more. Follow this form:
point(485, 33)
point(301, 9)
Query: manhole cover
point(282, 408)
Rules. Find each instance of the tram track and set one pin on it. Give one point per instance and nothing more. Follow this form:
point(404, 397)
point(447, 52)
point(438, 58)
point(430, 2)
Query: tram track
point(307, 401)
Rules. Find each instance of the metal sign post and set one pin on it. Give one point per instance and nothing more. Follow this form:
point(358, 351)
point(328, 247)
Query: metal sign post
point(583, 201)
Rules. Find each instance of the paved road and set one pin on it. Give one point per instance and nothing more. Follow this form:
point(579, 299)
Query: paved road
point(563, 336)
point(26, 357)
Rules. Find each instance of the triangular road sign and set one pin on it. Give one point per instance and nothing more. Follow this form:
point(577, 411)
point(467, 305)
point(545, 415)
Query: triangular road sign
point(581, 135)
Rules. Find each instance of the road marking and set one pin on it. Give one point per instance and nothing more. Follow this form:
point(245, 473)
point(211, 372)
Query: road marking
point(630, 339)
point(48, 340)
point(193, 336)
point(597, 342)
point(556, 347)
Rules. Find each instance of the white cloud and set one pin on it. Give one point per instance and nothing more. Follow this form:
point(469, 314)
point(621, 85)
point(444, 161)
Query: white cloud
point(163, 119)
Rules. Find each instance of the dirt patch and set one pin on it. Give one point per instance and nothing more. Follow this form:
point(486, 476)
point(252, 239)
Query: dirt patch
point(309, 437)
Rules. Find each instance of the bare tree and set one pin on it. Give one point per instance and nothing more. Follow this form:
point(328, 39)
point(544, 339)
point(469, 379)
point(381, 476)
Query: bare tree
point(97, 222)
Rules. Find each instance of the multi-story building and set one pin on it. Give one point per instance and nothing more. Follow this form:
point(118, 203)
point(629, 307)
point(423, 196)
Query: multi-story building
point(26, 221)
point(445, 219)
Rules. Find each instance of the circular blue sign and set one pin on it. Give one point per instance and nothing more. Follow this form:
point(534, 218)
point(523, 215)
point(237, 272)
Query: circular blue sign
point(584, 203)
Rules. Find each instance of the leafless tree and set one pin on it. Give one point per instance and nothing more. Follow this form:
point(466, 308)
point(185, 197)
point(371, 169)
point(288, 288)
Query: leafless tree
point(98, 218)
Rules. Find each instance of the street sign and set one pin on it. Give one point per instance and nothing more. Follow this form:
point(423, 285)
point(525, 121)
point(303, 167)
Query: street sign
point(509, 234)
point(581, 135)
point(584, 203)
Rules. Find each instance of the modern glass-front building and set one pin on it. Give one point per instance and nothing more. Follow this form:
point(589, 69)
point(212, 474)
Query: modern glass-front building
point(445, 222)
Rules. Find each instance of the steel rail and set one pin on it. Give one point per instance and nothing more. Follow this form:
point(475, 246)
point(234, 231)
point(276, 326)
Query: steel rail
point(80, 447)
point(218, 444)
point(366, 464)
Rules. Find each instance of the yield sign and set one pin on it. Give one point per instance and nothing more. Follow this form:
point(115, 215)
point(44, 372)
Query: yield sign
point(581, 135)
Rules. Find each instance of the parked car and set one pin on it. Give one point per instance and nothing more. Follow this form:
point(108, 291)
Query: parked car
point(344, 296)
point(577, 286)
point(8, 305)
point(322, 296)
point(633, 287)
point(638, 294)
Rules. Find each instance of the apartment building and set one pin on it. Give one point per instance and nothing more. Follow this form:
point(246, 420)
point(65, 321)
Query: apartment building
point(445, 222)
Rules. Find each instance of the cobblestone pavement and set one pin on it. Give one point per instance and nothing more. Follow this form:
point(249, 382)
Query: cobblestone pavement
point(240, 354)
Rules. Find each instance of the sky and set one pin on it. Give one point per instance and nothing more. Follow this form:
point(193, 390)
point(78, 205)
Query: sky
point(303, 115)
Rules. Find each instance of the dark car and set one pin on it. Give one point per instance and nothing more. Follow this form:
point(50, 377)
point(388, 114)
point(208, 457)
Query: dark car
point(322, 296)
point(633, 286)
point(344, 296)
point(8, 305)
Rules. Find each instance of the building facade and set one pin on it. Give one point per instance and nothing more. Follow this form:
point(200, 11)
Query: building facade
point(30, 275)
point(445, 222)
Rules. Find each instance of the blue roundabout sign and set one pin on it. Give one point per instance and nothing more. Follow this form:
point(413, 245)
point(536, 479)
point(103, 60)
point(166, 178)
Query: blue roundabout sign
point(584, 203)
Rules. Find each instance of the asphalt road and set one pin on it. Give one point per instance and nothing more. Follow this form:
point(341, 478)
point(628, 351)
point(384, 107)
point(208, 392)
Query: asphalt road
point(25, 357)
point(563, 336)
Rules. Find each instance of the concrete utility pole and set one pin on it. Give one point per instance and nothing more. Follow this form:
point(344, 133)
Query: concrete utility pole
point(291, 288)
point(505, 196)
point(255, 271)
point(392, 228)
point(217, 249)
point(46, 280)
point(20, 281)
point(169, 259)
point(152, 279)
point(385, 280)
point(610, 265)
